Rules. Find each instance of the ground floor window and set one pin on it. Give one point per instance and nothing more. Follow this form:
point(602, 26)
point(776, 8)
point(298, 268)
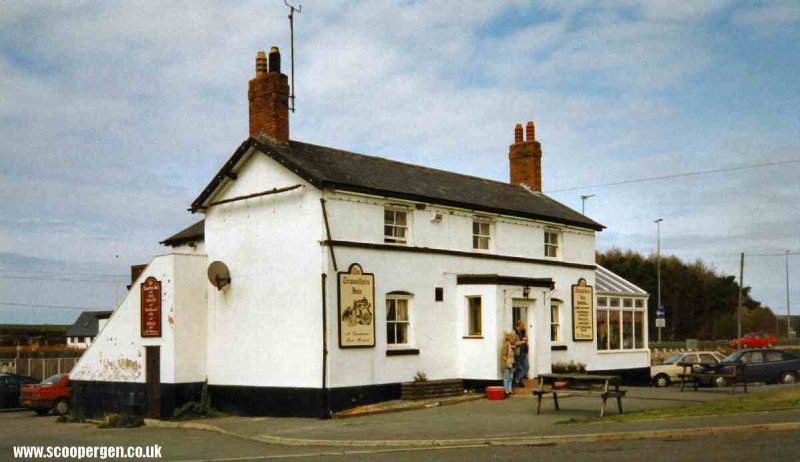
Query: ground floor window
point(474, 316)
point(397, 320)
point(555, 323)
point(620, 323)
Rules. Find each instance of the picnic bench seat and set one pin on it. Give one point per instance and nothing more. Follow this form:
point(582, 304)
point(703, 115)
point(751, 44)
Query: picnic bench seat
point(580, 382)
point(734, 376)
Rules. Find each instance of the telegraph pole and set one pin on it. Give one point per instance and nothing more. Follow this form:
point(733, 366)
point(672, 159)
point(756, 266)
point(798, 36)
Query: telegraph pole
point(739, 316)
point(788, 315)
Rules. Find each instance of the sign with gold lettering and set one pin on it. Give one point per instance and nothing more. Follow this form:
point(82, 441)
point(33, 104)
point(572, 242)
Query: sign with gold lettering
point(582, 312)
point(356, 308)
point(151, 307)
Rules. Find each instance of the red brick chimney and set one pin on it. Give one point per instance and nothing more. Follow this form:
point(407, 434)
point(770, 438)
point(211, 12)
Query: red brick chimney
point(525, 158)
point(268, 94)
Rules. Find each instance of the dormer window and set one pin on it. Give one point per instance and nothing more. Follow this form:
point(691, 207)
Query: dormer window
point(551, 243)
point(481, 234)
point(395, 226)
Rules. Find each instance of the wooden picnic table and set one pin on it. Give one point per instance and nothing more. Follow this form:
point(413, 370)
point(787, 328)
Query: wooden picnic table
point(607, 385)
point(736, 374)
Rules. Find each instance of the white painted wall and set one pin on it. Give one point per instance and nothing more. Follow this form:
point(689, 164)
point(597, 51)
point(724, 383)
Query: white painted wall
point(117, 353)
point(265, 328)
point(191, 248)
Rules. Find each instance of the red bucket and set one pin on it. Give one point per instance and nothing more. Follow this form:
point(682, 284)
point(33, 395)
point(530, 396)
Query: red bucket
point(495, 393)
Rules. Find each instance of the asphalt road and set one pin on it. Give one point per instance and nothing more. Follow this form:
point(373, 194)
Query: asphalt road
point(23, 428)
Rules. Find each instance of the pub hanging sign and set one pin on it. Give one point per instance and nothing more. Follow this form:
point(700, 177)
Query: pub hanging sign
point(582, 312)
point(151, 307)
point(356, 318)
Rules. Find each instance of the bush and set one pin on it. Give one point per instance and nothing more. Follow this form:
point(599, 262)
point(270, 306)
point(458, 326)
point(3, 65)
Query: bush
point(197, 410)
point(569, 368)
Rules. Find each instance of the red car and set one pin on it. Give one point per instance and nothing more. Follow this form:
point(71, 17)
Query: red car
point(756, 340)
point(51, 394)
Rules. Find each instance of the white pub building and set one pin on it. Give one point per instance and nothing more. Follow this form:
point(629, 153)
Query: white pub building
point(321, 279)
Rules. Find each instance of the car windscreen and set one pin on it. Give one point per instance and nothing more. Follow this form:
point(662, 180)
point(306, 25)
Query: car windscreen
point(673, 359)
point(52, 380)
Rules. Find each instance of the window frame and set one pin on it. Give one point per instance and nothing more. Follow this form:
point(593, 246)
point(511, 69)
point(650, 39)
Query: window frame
point(480, 221)
point(549, 245)
point(557, 323)
point(393, 239)
point(469, 330)
point(615, 305)
point(409, 329)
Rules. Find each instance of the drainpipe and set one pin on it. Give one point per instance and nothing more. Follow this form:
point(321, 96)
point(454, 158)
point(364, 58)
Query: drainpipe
point(325, 404)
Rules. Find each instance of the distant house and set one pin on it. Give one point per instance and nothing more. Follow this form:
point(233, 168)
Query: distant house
point(86, 327)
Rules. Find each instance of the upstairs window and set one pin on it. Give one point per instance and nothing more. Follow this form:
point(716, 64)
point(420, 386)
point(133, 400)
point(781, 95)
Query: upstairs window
point(395, 226)
point(481, 234)
point(551, 244)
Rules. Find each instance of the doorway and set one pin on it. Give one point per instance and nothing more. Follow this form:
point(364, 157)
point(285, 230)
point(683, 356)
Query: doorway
point(519, 313)
point(153, 380)
point(522, 310)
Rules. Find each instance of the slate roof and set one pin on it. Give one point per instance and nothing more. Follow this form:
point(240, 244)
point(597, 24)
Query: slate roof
point(607, 282)
point(87, 324)
point(326, 167)
point(195, 232)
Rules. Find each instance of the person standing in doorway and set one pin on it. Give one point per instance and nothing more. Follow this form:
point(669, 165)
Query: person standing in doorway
point(521, 360)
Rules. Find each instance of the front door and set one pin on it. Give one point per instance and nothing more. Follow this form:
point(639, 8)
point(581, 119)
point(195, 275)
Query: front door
point(519, 312)
point(153, 379)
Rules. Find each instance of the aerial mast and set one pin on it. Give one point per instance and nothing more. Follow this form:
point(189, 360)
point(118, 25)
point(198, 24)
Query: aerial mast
point(292, 9)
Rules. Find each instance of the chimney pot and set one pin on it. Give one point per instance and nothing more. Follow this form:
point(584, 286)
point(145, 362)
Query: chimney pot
point(530, 131)
point(274, 60)
point(261, 63)
point(518, 133)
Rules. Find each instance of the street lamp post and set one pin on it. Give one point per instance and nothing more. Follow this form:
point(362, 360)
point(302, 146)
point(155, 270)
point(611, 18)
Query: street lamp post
point(658, 268)
point(583, 202)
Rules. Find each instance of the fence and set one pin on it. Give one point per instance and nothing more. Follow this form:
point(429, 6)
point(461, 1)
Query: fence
point(38, 368)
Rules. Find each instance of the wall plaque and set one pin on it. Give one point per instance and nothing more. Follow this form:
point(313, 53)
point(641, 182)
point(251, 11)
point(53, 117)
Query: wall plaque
point(582, 312)
point(356, 308)
point(151, 307)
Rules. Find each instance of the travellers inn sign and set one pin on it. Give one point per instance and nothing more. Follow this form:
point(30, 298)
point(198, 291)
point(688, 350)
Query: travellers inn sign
point(356, 308)
point(582, 312)
point(151, 307)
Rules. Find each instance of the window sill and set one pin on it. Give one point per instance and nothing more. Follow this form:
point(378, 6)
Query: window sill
point(558, 348)
point(403, 352)
point(638, 350)
point(472, 337)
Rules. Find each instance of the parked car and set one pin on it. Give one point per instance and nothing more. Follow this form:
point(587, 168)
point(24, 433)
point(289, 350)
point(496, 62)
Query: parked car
point(51, 394)
point(761, 365)
point(667, 372)
point(755, 340)
point(10, 387)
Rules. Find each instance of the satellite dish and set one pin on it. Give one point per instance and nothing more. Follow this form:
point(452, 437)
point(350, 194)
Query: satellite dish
point(218, 274)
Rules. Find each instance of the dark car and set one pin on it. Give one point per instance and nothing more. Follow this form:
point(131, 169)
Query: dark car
point(763, 365)
point(10, 386)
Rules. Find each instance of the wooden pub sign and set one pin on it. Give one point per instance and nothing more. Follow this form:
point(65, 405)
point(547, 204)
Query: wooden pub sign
point(356, 318)
point(582, 312)
point(151, 307)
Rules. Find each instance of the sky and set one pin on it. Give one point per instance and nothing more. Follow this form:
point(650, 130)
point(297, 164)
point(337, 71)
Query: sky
point(115, 115)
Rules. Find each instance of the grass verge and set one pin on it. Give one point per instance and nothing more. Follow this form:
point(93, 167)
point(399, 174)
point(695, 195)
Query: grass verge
point(779, 399)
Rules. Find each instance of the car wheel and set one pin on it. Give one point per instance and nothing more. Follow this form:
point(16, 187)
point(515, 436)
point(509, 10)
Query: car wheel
point(720, 382)
point(661, 381)
point(788, 378)
point(744, 345)
point(61, 407)
point(769, 345)
point(41, 411)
